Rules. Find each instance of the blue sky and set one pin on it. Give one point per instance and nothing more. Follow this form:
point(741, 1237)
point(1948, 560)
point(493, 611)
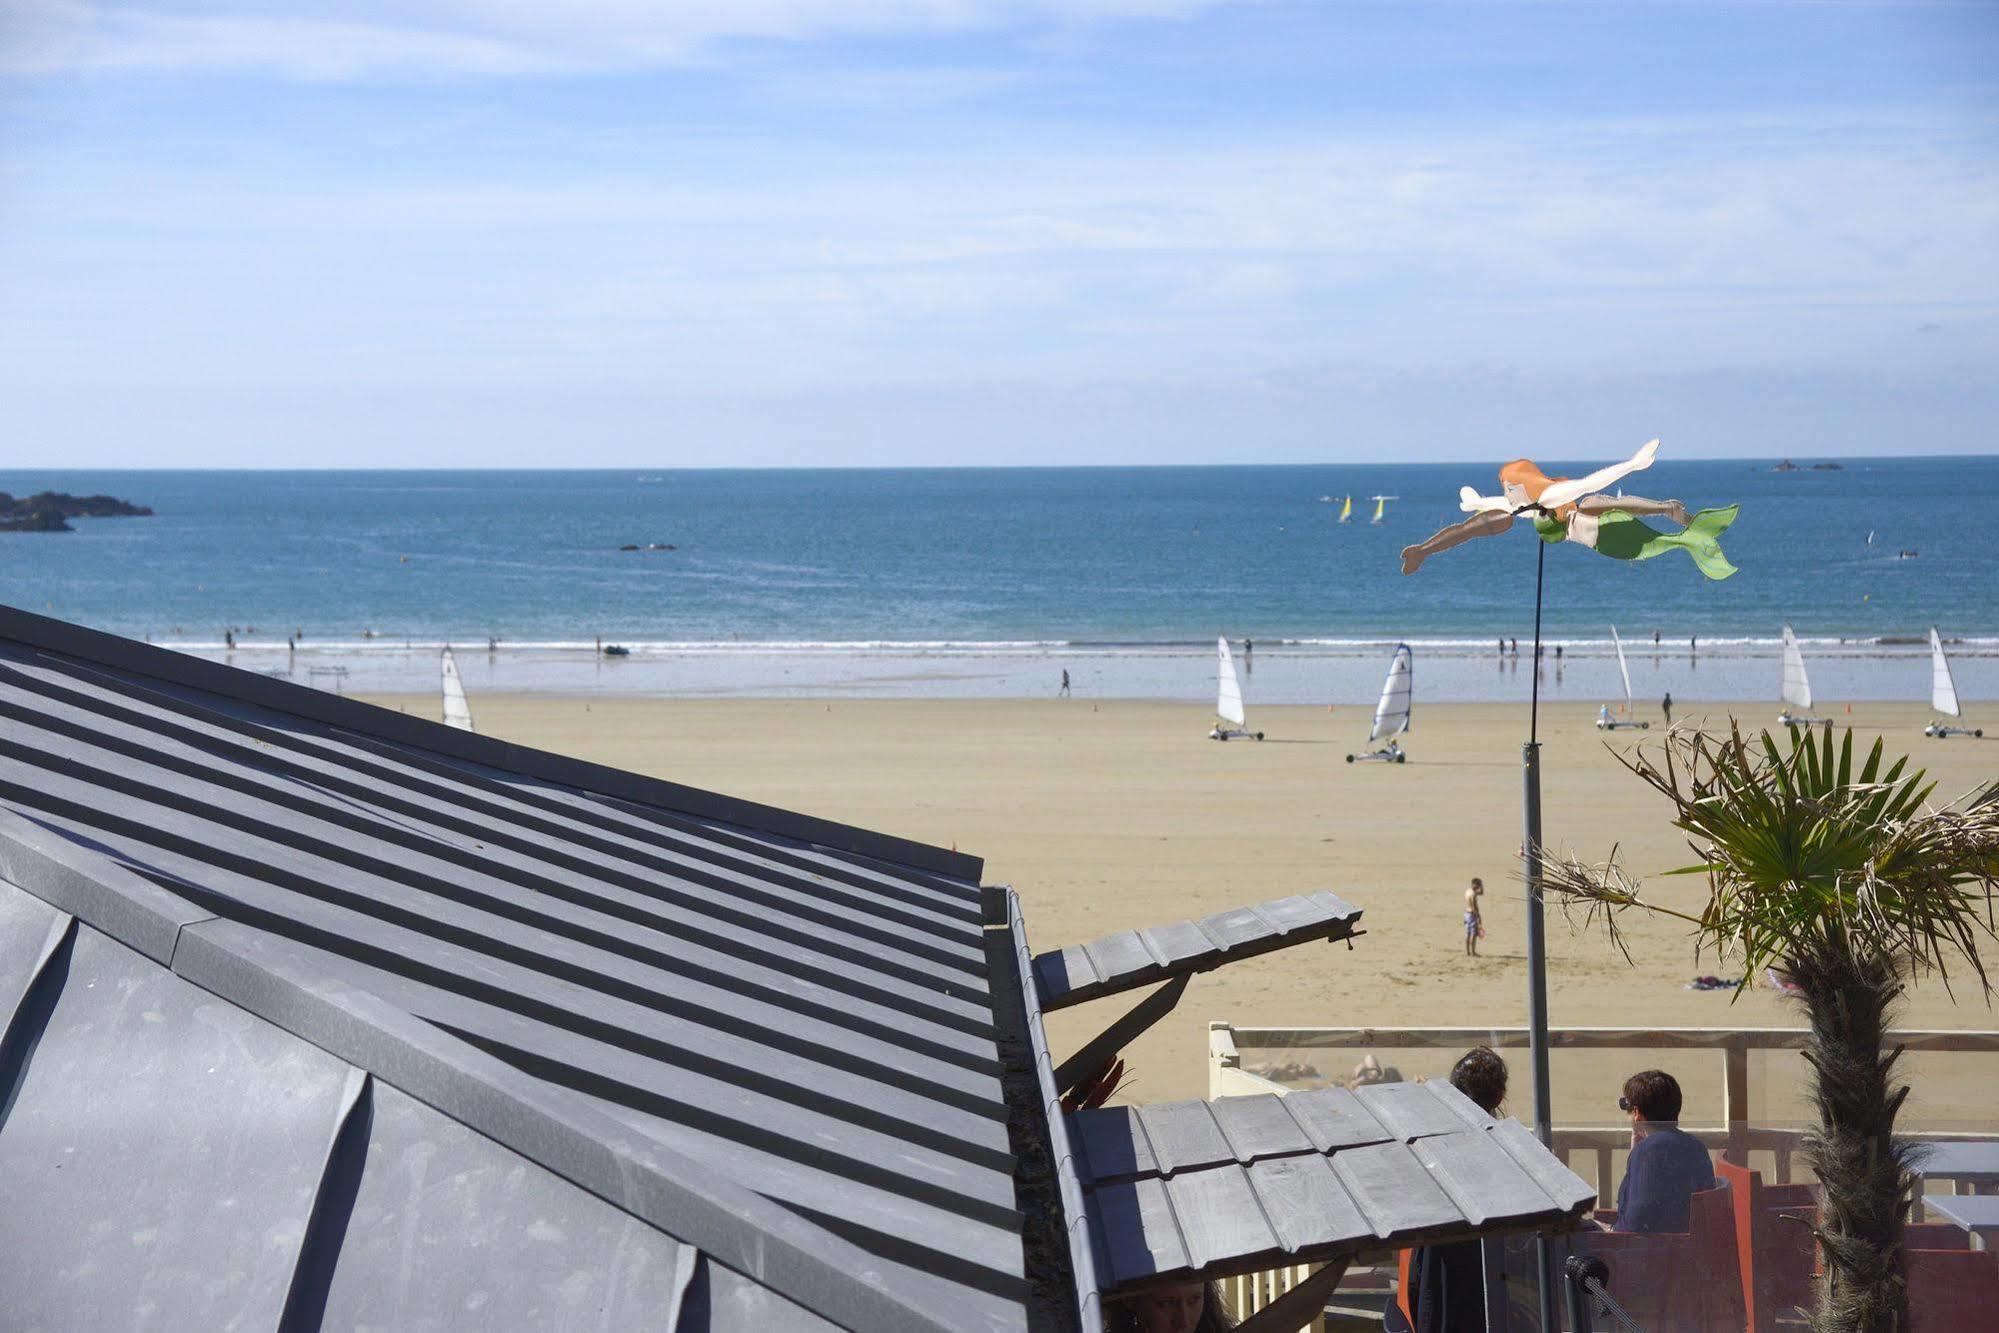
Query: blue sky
point(610, 232)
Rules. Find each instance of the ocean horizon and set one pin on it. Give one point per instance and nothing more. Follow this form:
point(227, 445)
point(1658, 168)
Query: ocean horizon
point(992, 581)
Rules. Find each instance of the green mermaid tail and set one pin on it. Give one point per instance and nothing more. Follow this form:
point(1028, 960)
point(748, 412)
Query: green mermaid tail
point(1622, 537)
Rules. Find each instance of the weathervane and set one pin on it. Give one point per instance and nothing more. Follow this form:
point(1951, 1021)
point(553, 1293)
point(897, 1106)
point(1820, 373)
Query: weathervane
point(1579, 511)
point(1576, 511)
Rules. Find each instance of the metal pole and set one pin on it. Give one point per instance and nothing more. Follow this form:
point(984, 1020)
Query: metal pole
point(1537, 959)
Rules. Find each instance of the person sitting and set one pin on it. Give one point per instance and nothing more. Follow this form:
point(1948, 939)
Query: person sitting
point(1186, 1307)
point(1667, 1166)
point(1447, 1282)
point(1481, 1075)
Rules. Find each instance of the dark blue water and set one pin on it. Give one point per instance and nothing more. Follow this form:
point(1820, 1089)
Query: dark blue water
point(973, 556)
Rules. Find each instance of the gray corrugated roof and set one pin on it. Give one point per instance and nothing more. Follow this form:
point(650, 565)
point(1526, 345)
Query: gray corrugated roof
point(584, 977)
point(173, 1161)
point(1245, 1183)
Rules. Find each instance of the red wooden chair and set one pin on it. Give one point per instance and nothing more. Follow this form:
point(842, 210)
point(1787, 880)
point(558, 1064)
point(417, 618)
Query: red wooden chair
point(1681, 1282)
point(1935, 1236)
point(1952, 1290)
point(1775, 1254)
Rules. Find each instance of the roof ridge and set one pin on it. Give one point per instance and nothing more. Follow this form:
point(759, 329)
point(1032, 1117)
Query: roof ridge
point(125, 654)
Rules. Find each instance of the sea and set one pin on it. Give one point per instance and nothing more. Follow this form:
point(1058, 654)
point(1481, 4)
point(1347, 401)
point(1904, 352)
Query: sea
point(956, 582)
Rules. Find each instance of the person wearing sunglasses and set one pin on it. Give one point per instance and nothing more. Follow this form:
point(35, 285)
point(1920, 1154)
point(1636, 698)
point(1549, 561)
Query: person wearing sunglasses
point(1667, 1166)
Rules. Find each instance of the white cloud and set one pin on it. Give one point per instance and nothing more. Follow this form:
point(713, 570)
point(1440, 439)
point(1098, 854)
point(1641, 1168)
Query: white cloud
point(61, 36)
point(317, 40)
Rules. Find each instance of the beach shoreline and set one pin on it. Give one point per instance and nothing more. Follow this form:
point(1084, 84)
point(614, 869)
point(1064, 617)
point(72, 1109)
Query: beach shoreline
point(1108, 814)
point(1574, 669)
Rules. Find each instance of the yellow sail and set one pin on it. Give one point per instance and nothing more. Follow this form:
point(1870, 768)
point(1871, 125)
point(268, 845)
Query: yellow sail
point(1380, 503)
point(1346, 509)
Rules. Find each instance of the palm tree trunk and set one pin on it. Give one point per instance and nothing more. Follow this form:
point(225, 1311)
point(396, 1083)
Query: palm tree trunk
point(1861, 1165)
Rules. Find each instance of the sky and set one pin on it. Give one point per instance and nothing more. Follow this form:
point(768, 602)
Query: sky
point(522, 233)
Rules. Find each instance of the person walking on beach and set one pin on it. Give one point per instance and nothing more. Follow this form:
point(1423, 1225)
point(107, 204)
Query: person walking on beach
point(1065, 683)
point(1474, 921)
point(1666, 707)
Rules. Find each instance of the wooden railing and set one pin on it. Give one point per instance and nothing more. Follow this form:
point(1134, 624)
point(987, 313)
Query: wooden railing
point(1599, 1144)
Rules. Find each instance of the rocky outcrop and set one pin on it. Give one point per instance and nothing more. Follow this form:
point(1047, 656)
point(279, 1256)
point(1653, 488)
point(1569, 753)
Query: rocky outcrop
point(50, 511)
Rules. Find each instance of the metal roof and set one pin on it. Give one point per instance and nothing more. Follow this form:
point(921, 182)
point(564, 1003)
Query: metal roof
point(752, 1031)
point(313, 1014)
point(1244, 1183)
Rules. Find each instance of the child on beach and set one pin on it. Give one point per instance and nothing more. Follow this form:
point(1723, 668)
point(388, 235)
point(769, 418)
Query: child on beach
point(1474, 922)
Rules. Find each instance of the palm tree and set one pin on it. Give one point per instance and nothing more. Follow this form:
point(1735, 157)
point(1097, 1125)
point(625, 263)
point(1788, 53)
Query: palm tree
point(1851, 885)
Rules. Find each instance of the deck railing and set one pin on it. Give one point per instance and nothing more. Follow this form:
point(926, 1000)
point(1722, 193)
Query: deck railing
point(1590, 1149)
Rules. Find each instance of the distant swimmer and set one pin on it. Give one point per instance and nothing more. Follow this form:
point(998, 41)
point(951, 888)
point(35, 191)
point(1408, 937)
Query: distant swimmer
point(1693, 643)
point(229, 639)
point(1065, 685)
point(1666, 707)
point(1655, 638)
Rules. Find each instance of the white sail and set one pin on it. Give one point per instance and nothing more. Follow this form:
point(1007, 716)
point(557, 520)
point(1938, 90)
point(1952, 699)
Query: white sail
point(1797, 686)
point(1943, 690)
point(457, 712)
point(1622, 669)
point(1391, 715)
point(1228, 700)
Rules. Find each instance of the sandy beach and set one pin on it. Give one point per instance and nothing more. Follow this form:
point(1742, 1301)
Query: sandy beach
point(1116, 814)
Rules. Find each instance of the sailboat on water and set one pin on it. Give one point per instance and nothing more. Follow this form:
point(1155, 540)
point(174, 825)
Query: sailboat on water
point(1797, 688)
point(1346, 509)
point(1604, 721)
point(457, 711)
point(1943, 695)
point(1380, 503)
point(1228, 701)
point(1391, 715)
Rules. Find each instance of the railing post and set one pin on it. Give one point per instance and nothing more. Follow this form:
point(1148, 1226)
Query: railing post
point(1221, 1053)
point(1735, 1098)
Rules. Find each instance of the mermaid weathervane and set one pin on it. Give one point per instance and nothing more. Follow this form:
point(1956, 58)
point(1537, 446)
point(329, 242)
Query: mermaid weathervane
point(1578, 511)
